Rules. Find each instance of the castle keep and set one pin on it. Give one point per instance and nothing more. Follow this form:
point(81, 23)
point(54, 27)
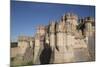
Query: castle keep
point(69, 40)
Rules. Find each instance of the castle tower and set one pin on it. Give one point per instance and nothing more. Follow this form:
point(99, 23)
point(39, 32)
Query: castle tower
point(71, 22)
point(88, 26)
point(25, 49)
point(60, 42)
point(52, 35)
point(90, 36)
point(23, 44)
point(38, 43)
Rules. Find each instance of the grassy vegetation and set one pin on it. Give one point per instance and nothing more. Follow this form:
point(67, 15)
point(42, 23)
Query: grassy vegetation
point(15, 62)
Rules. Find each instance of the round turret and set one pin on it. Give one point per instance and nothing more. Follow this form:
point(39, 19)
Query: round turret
point(88, 26)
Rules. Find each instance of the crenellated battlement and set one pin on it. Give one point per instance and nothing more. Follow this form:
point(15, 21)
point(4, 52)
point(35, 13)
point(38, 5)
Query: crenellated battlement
point(23, 38)
point(89, 19)
point(71, 16)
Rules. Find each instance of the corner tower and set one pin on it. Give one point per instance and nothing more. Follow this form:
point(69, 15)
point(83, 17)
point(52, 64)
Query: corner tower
point(88, 26)
point(71, 22)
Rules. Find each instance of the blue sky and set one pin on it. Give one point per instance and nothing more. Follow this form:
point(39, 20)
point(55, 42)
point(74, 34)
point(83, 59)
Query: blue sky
point(25, 16)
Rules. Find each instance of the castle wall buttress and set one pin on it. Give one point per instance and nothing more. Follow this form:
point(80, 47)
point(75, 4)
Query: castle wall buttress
point(89, 33)
point(36, 50)
point(52, 35)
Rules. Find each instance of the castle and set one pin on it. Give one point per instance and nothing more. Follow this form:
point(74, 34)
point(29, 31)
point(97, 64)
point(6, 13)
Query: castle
point(72, 39)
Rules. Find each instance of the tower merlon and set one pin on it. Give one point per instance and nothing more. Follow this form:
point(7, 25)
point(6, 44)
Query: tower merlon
point(71, 16)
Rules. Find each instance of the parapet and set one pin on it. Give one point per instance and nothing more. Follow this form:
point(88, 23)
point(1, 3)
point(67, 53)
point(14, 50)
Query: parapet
point(71, 16)
point(81, 20)
point(89, 19)
point(52, 23)
point(24, 38)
